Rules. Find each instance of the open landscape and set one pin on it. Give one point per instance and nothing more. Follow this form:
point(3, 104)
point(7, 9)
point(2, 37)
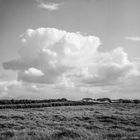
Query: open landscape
point(110, 121)
point(69, 69)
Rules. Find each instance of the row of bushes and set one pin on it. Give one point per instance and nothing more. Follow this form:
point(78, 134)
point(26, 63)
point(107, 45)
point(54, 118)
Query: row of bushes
point(111, 101)
point(27, 101)
point(59, 102)
point(119, 100)
point(128, 101)
point(39, 105)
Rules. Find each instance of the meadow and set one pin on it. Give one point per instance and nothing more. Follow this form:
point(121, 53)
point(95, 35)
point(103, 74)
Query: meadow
point(106, 121)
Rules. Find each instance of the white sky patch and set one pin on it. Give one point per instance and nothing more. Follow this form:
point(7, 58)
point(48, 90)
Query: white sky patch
point(6, 86)
point(132, 38)
point(49, 6)
point(34, 72)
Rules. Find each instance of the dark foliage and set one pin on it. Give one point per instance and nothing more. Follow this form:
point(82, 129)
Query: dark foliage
point(125, 101)
point(104, 99)
point(27, 101)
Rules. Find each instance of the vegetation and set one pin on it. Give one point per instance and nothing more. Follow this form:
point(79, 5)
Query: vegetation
point(104, 99)
point(110, 121)
point(26, 103)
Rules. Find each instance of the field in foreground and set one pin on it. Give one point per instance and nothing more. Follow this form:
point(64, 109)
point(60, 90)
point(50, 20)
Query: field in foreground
point(96, 122)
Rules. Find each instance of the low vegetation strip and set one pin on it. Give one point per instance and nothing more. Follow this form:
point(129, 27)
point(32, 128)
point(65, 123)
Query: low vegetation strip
point(28, 101)
point(58, 102)
point(51, 104)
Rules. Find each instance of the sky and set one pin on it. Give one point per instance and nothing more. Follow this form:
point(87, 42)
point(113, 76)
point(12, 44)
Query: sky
point(67, 48)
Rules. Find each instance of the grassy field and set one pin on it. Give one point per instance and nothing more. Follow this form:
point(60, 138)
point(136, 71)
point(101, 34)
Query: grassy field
point(96, 122)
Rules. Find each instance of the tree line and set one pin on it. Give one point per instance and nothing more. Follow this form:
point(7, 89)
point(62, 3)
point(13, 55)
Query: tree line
point(29, 101)
point(26, 103)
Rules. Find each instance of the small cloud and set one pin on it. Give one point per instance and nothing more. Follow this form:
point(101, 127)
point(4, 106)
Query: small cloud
point(133, 38)
point(49, 6)
point(34, 72)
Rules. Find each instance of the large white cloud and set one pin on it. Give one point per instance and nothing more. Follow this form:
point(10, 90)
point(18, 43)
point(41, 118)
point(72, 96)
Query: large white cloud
point(62, 59)
point(53, 56)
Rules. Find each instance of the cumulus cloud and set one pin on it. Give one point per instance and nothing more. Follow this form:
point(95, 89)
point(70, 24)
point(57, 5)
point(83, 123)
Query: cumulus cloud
point(6, 86)
point(53, 56)
point(49, 6)
point(34, 72)
point(133, 38)
point(61, 59)
point(21, 90)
